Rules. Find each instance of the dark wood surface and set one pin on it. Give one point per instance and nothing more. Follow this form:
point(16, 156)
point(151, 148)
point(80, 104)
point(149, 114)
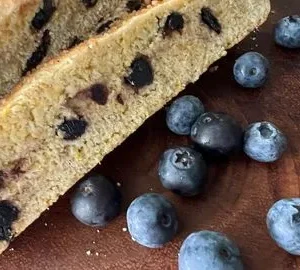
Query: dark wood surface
point(235, 201)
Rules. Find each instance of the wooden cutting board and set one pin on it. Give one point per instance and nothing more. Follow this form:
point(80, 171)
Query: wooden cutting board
point(235, 201)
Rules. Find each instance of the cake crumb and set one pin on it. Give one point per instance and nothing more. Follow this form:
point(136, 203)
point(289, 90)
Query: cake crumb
point(11, 249)
point(98, 231)
point(94, 242)
point(46, 224)
point(88, 252)
point(151, 189)
point(96, 253)
point(118, 184)
point(213, 69)
point(124, 229)
point(272, 11)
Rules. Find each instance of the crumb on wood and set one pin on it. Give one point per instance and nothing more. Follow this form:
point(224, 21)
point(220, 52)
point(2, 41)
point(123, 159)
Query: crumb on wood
point(88, 252)
point(118, 184)
point(124, 229)
point(98, 231)
point(96, 253)
point(94, 242)
point(213, 69)
point(11, 249)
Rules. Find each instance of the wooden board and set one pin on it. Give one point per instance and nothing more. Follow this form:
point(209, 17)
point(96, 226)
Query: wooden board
point(236, 198)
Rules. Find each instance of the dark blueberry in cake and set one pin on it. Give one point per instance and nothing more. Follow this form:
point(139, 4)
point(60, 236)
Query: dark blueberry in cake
point(71, 129)
point(43, 16)
point(39, 54)
point(75, 41)
point(120, 99)
point(8, 214)
point(89, 3)
point(103, 27)
point(133, 5)
point(96, 201)
point(217, 134)
point(210, 20)
point(174, 22)
point(141, 73)
point(99, 93)
point(152, 220)
point(182, 170)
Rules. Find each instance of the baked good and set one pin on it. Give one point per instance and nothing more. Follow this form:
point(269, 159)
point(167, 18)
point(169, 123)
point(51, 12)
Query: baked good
point(62, 119)
point(32, 30)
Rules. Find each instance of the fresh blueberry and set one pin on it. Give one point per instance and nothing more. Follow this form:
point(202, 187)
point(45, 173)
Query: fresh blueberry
point(283, 221)
point(287, 32)
point(182, 170)
point(96, 201)
point(251, 70)
point(264, 142)
point(183, 113)
point(152, 220)
point(217, 134)
point(208, 250)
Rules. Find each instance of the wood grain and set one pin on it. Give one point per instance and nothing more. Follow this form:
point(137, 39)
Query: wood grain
point(237, 196)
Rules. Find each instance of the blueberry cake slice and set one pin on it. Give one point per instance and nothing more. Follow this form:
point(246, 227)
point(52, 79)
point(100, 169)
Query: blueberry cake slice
point(31, 30)
point(63, 118)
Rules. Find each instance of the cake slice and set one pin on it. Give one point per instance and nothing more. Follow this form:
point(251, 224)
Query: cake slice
point(61, 120)
point(31, 30)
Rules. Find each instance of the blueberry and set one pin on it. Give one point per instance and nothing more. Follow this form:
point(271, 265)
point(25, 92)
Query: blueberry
point(152, 220)
point(134, 5)
point(8, 214)
point(283, 221)
point(251, 70)
point(39, 54)
point(217, 134)
point(210, 20)
point(43, 16)
point(96, 201)
point(183, 113)
point(174, 22)
point(264, 142)
point(141, 73)
point(287, 32)
point(182, 170)
point(89, 3)
point(72, 129)
point(208, 250)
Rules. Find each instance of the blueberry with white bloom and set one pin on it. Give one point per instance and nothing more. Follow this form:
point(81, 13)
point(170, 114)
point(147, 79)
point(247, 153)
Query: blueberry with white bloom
point(183, 113)
point(251, 70)
point(208, 250)
point(283, 221)
point(287, 32)
point(264, 142)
